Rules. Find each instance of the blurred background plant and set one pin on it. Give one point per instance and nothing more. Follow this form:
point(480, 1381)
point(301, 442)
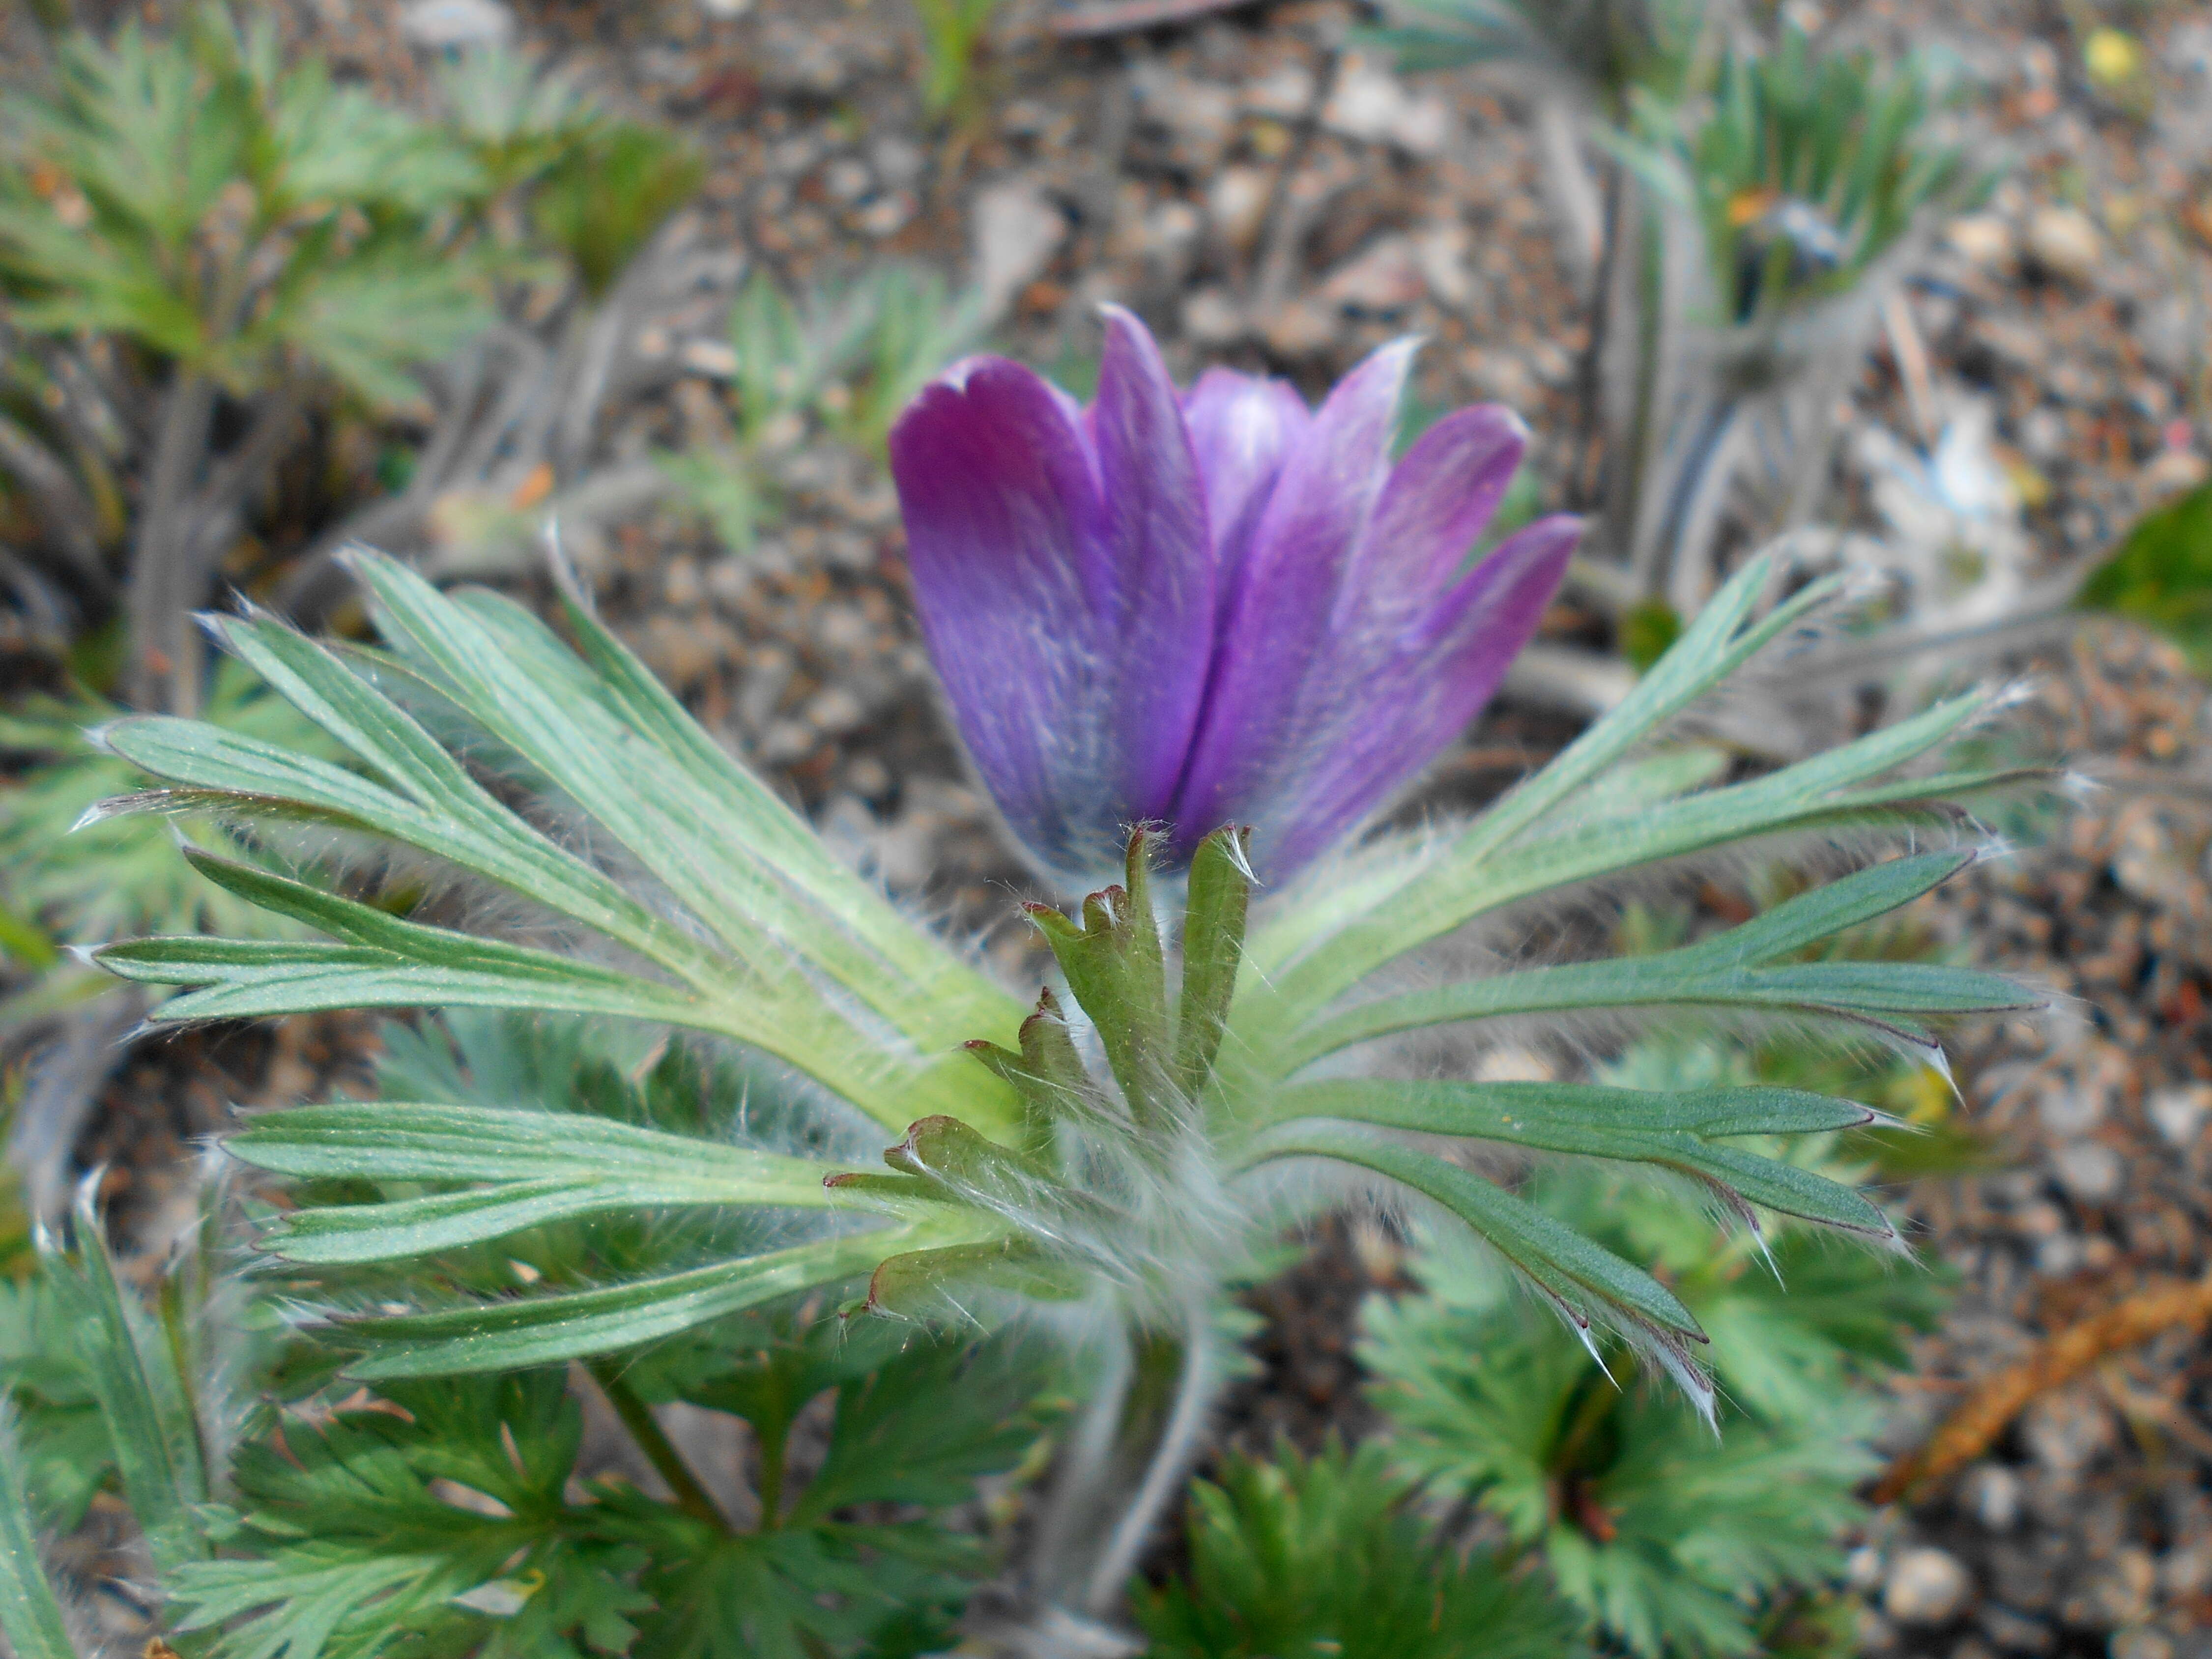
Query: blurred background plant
point(1295, 1558)
point(286, 1511)
point(1760, 205)
point(211, 264)
point(1668, 1540)
point(198, 246)
point(952, 40)
point(834, 364)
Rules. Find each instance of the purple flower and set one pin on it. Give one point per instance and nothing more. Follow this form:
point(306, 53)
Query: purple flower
point(1214, 608)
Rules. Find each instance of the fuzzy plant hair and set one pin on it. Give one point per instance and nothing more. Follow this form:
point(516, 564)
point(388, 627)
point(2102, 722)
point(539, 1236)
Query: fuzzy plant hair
point(1105, 1158)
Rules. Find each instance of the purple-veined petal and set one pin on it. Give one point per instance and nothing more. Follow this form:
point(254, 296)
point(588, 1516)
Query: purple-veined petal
point(1000, 496)
point(1160, 562)
point(1409, 706)
point(1438, 500)
point(1240, 427)
point(1284, 594)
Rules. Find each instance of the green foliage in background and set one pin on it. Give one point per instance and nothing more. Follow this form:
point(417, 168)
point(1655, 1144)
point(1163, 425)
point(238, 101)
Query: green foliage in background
point(952, 33)
point(452, 1517)
point(197, 197)
point(1670, 1541)
point(1805, 168)
point(2161, 575)
point(1606, 49)
point(1300, 1558)
point(834, 363)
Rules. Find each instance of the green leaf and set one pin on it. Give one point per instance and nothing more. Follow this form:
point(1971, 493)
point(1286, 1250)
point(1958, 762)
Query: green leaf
point(1729, 970)
point(541, 1330)
point(551, 1167)
point(1328, 1555)
point(1213, 950)
point(1395, 900)
point(1673, 1131)
point(30, 1616)
point(145, 1402)
point(381, 961)
point(2161, 575)
point(1584, 1278)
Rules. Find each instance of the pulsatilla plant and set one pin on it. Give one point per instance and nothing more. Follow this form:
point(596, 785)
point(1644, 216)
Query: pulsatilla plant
point(1218, 1059)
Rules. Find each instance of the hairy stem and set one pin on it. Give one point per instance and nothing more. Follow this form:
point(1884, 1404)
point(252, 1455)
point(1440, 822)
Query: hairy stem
point(1178, 1441)
point(637, 1417)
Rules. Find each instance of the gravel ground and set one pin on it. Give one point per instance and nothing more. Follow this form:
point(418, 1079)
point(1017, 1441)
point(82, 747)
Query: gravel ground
point(1265, 196)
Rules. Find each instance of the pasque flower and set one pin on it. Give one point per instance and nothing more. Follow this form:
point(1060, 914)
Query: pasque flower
point(1211, 607)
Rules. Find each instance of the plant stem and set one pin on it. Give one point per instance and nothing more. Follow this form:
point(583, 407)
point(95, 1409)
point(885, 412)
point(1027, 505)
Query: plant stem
point(162, 640)
point(637, 1417)
point(1194, 1392)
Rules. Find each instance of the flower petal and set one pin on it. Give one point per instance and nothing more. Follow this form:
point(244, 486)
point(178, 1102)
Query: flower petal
point(1395, 719)
point(1161, 564)
point(1439, 501)
point(1240, 427)
point(1000, 495)
point(1285, 595)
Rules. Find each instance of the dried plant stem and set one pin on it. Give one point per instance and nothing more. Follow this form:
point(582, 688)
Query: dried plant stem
point(1995, 1400)
point(637, 1417)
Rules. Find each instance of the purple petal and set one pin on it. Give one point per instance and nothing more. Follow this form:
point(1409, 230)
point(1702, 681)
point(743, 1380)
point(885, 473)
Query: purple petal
point(1439, 500)
point(1240, 425)
point(1161, 563)
point(1285, 590)
point(1397, 718)
point(1005, 539)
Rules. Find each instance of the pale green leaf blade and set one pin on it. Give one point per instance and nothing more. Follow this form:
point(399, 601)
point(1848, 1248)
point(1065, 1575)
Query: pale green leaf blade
point(542, 1330)
point(30, 1616)
point(1573, 1269)
point(1673, 1131)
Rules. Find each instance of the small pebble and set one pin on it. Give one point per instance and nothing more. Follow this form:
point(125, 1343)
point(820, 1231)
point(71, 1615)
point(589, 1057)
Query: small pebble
point(2140, 1644)
point(1992, 1496)
point(1926, 1586)
point(2090, 1171)
point(2066, 242)
point(2177, 1113)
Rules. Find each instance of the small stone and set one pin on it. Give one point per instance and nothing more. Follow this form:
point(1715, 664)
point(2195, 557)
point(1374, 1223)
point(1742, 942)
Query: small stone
point(1019, 227)
point(713, 359)
point(2141, 1643)
point(786, 741)
point(2064, 1431)
point(1926, 1586)
point(887, 215)
point(2187, 1571)
point(2090, 1171)
point(1289, 91)
point(834, 710)
point(1992, 1496)
point(1373, 104)
point(2057, 1257)
point(1236, 201)
point(1863, 1568)
point(868, 777)
point(2177, 1114)
point(847, 178)
point(1385, 276)
point(456, 25)
point(2066, 242)
point(1299, 329)
point(1984, 240)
